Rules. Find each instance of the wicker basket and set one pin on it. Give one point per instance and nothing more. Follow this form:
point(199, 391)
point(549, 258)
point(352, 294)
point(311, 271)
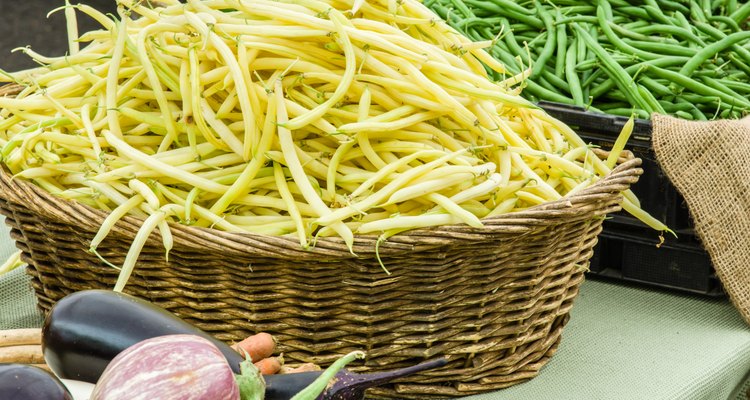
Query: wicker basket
point(494, 300)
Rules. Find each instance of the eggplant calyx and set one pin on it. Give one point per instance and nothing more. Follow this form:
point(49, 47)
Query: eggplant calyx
point(250, 381)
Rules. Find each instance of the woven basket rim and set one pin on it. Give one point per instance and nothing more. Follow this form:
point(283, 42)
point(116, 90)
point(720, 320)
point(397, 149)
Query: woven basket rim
point(516, 223)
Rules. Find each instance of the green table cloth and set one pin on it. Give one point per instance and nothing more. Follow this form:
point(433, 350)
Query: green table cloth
point(622, 342)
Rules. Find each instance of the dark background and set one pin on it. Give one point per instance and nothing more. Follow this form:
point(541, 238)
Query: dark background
point(25, 23)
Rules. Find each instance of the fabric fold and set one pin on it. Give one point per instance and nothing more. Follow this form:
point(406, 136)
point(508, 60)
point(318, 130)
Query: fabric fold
point(709, 164)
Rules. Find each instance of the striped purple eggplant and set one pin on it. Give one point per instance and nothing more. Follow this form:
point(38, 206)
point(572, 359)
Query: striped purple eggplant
point(179, 367)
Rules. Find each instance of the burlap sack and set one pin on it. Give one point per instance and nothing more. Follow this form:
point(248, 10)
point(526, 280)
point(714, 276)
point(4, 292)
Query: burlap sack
point(709, 164)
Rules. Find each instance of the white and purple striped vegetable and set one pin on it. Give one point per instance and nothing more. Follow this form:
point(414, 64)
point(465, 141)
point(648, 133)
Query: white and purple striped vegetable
point(179, 367)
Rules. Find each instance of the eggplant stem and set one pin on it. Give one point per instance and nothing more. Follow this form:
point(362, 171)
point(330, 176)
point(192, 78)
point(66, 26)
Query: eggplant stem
point(353, 385)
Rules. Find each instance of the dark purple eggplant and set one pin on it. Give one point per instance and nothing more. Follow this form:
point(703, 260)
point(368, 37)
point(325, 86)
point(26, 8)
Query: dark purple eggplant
point(345, 385)
point(26, 382)
point(85, 330)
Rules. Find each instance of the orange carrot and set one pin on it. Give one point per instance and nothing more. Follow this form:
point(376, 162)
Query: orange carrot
point(259, 346)
point(270, 365)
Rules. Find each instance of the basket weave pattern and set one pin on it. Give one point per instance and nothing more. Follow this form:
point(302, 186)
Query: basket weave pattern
point(494, 300)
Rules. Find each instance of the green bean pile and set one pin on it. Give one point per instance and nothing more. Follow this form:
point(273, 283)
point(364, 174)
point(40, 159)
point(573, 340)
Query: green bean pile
point(689, 59)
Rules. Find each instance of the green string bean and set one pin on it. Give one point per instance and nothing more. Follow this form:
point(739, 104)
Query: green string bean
point(616, 55)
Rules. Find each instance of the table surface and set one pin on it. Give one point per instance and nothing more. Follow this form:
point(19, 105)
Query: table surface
point(622, 342)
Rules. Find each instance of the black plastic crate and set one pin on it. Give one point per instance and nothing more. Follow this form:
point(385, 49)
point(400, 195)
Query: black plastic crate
point(654, 190)
point(628, 249)
point(639, 256)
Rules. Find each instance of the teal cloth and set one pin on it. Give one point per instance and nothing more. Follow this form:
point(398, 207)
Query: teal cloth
point(17, 302)
point(622, 342)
